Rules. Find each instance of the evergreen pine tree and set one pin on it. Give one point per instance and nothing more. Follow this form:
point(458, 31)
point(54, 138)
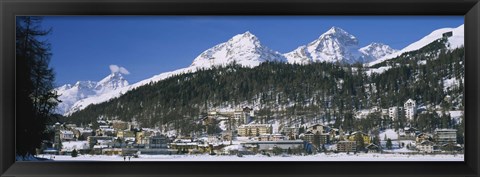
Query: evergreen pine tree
point(389, 144)
point(35, 78)
point(74, 153)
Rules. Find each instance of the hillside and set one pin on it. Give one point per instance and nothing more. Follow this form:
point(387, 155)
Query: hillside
point(322, 92)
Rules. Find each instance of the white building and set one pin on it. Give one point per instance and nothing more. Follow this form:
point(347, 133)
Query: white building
point(426, 146)
point(410, 109)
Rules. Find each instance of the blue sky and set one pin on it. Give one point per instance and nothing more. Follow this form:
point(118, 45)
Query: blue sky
point(84, 47)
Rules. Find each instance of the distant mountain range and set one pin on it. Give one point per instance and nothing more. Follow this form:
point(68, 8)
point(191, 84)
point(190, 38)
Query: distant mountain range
point(335, 45)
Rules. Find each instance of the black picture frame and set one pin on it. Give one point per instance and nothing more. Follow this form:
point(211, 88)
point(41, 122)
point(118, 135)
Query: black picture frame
point(10, 8)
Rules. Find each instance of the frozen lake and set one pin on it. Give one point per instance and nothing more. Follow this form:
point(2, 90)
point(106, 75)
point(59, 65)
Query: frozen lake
point(317, 157)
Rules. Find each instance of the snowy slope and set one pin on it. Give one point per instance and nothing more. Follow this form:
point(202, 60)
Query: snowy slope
point(70, 95)
point(105, 96)
point(337, 45)
point(375, 51)
point(244, 49)
point(455, 41)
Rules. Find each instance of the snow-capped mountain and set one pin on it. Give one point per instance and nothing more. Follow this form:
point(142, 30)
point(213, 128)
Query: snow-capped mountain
point(111, 82)
point(244, 49)
point(337, 45)
point(70, 95)
point(375, 51)
point(454, 41)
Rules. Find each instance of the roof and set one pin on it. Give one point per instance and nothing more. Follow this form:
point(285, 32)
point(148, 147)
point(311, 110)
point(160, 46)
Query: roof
point(316, 125)
point(99, 146)
point(354, 133)
point(424, 134)
point(445, 130)
point(371, 145)
point(255, 125)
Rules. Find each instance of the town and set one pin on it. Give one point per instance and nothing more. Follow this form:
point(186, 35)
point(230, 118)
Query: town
point(242, 133)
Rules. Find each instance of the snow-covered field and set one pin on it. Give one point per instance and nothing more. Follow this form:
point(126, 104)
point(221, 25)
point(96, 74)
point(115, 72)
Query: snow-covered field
point(317, 157)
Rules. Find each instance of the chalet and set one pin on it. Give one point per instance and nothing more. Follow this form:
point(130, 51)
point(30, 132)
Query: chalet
point(366, 138)
point(422, 137)
point(321, 129)
point(426, 146)
point(373, 148)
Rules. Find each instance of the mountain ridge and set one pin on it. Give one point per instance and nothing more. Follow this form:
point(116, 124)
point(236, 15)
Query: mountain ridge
point(234, 50)
point(336, 45)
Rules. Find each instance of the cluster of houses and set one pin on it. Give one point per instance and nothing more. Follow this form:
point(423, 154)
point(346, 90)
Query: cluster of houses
point(241, 133)
point(409, 110)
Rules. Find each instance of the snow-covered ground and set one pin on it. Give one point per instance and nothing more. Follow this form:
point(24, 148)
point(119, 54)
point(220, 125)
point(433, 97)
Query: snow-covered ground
point(379, 70)
point(455, 41)
point(317, 157)
point(390, 133)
